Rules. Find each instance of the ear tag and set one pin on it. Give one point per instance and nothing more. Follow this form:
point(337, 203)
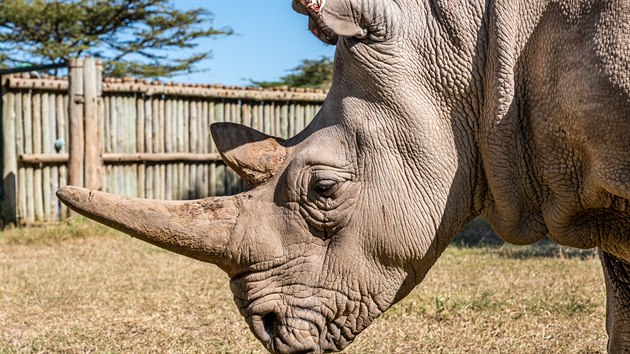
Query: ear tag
point(317, 5)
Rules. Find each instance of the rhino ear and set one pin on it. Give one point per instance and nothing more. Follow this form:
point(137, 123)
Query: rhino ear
point(330, 19)
point(343, 17)
point(253, 155)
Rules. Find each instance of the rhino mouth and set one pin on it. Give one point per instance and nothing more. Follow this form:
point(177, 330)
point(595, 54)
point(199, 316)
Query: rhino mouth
point(285, 333)
point(291, 311)
point(290, 324)
point(288, 335)
point(284, 324)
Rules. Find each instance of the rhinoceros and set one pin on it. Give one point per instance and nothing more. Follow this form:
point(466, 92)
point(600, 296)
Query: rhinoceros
point(439, 111)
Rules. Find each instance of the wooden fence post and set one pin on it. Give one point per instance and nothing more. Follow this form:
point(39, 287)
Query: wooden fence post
point(101, 121)
point(75, 115)
point(93, 161)
point(9, 166)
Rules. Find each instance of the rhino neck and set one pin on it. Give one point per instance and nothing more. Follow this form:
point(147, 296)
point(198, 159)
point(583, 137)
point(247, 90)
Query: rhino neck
point(512, 202)
point(463, 40)
point(488, 41)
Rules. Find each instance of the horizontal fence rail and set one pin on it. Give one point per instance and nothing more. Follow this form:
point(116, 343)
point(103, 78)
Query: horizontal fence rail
point(130, 137)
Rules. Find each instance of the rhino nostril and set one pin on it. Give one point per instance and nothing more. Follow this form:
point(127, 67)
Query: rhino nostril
point(270, 322)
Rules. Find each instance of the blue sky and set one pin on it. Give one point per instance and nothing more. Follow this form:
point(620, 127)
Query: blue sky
point(270, 39)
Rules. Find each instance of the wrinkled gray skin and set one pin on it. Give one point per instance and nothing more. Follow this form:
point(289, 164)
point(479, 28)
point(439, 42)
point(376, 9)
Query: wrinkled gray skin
point(439, 111)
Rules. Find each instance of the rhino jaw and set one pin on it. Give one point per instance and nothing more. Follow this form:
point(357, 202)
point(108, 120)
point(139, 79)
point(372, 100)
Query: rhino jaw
point(199, 229)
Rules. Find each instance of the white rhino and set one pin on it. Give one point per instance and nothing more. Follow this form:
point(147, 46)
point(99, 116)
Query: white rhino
point(442, 110)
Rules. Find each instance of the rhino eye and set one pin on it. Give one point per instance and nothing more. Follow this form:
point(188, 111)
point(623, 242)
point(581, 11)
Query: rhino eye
point(326, 188)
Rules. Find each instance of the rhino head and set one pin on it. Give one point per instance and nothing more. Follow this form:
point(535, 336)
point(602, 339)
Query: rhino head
point(344, 219)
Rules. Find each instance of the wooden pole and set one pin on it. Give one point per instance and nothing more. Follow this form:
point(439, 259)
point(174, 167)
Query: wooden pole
point(172, 157)
point(27, 115)
point(292, 130)
point(61, 134)
point(235, 181)
point(54, 170)
point(114, 140)
point(284, 119)
point(168, 146)
point(157, 116)
point(9, 171)
point(193, 148)
point(107, 143)
point(246, 109)
point(122, 158)
point(19, 136)
point(119, 171)
point(101, 118)
point(132, 170)
point(140, 136)
point(46, 148)
point(107, 130)
point(160, 173)
point(93, 163)
point(268, 118)
point(256, 115)
point(75, 114)
point(277, 119)
point(203, 171)
point(129, 144)
point(148, 146)
point(299, 118)
point(218, 181)
point(224, 171)
point(182, 185)
point(37, 149)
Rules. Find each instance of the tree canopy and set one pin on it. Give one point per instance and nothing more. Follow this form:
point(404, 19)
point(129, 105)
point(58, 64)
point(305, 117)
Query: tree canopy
point(311, 73)
point(132, 37)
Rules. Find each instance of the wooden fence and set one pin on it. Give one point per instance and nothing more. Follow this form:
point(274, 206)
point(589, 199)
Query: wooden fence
point(129, 137)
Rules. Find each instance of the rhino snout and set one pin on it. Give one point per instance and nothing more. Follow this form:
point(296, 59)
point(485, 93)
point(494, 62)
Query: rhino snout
point(286, 334)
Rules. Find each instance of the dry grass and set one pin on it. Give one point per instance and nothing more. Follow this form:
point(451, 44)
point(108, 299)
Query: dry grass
point(63, 292)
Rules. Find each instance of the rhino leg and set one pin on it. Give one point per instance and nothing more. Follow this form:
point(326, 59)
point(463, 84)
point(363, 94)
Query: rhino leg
point(617, 275)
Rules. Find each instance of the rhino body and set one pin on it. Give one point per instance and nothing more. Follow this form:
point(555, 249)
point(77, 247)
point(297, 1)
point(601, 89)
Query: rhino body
point(439, 111)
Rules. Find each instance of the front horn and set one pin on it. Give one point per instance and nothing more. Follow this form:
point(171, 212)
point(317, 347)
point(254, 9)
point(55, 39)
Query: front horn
point(199, 229)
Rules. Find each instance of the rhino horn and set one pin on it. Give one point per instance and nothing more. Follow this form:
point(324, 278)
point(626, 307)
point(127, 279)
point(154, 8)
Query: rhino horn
point(199, 229)
point(253, 155)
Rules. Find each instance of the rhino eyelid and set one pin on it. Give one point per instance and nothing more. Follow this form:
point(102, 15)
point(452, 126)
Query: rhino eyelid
point(326, 187)
point(326, 183)
point(327, 174)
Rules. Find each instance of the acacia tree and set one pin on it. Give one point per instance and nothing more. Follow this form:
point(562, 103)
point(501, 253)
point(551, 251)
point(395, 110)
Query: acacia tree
point(311, 73)
point(132, 37)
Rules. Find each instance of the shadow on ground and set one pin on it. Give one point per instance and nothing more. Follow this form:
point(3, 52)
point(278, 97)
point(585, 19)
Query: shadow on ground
point(479, 234)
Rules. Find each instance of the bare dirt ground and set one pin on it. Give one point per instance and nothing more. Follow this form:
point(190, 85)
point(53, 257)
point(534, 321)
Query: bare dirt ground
point(63, 291)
